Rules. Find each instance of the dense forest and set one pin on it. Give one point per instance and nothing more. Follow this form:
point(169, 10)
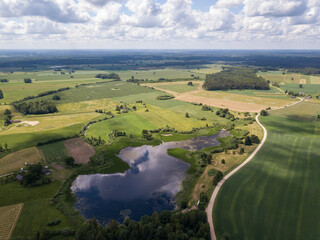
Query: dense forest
point(166, 225)
point(235, 78)
point(42, 107)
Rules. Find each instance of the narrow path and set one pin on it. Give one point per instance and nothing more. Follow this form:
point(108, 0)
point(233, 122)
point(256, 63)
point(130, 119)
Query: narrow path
point(216, 190)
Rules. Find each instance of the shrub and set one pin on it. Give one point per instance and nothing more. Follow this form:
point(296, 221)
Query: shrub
point(247, 141)
point(254, 139)
point(27, 80)
point(56, 97)
point(54, 222)
point(165, 97)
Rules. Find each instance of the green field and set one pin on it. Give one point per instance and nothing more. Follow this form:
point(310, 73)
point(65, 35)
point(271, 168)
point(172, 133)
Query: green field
point(180, 88)
point(54, 152)
point(276, 195)
point(306, 88)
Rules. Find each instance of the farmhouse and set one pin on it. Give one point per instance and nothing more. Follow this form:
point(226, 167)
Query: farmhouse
point(19, 177)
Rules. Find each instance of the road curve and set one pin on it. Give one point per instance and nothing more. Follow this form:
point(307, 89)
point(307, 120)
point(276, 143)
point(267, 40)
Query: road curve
point(217, 188)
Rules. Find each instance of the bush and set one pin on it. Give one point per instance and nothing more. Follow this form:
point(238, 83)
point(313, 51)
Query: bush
point(247, 141)
point(241, 151)
point(223, 161)
point(255, 139)
point(27, 80)
point(165, 97)
point(69, 161)
point(54, 222)
point(264, 113)
point(56, 97)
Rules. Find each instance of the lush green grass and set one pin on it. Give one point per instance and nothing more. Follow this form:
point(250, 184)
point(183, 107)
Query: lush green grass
point(179, 88)
point(24, 140)
point(14, 193)
point(54, 152)
point(307, 88)
point(99, 91)
point(276, 195)
point(303, 111)
point(155, 74)
point(35, 215)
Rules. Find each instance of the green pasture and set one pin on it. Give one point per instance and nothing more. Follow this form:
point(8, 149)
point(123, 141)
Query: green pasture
point(23, 140)
point(36, 211)
point(276, 195)
point(54, 152)
point(155, 74)
point(98, 91)
point(35, 215)
point(13, 91)
point(179, 88)
point(306, 88)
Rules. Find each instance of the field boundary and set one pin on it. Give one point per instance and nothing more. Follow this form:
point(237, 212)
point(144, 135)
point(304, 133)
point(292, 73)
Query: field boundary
point(217, 188)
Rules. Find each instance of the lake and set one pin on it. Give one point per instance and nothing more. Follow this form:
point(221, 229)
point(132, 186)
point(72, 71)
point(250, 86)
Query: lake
point(149, 185)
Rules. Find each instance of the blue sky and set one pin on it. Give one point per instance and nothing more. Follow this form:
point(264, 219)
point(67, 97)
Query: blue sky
point(169, 24)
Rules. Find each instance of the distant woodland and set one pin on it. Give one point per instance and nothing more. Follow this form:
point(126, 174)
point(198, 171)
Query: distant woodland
point(235, 78)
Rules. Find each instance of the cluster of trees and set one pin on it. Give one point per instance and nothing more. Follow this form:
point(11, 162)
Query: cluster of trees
point(108, 76)
point(34, 176)
point(252, 139)
point(27, 80)
point(235, 78)
point(205, 159)
point(164, 226)
point(115, 133)
point(264, 113)
point(165, 97)
point(42, 94)
point(224, 113)
point(146, 134)
point(217, 178)
point(95, 141)
point(7, 116)
point(4, 80)
point(42, 107)
point(206, 108)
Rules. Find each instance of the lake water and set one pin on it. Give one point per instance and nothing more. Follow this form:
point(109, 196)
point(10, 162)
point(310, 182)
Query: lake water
point(149, 185)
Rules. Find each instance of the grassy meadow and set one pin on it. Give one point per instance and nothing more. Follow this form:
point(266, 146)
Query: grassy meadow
point(275, 195)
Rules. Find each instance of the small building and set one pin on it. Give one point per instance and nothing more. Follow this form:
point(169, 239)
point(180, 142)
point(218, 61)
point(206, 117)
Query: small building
point(15, 121)
point(19, 177)
point(46, 171)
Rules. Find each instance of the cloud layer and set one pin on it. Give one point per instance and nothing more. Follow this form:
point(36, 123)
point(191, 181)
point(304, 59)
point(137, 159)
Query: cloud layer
point(155, 24)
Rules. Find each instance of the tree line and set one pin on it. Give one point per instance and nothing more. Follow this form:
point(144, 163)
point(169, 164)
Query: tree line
point(41, 94)
point(235, 78)
point(42, 107)
point(108, 76)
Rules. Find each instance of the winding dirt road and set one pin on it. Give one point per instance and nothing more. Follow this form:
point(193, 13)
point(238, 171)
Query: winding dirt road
point(216, 190)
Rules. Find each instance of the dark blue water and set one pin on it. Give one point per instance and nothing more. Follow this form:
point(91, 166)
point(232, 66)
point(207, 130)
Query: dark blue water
point(150, 185)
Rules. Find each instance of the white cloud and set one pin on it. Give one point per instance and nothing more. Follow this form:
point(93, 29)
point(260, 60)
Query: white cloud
point(228, 3)
point(275, 8)
point(64, 11)
point(101, 3)
point(147, 23)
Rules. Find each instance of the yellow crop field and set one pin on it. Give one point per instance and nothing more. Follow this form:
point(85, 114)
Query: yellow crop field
point(15, 161)
point(9, 216)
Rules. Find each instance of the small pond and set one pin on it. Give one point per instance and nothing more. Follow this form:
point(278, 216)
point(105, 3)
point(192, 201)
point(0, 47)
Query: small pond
point(150, 185)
